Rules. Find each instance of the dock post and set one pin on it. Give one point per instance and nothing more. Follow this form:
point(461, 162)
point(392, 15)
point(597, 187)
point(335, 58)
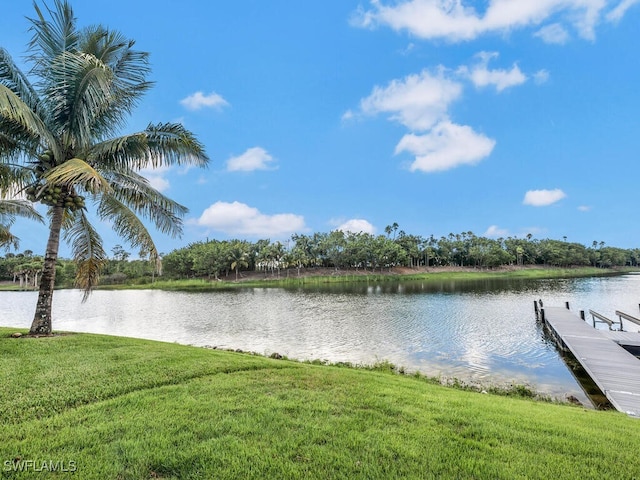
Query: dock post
point(542, 314)
point(566, 305)
point(582, 314)
point(535, 306)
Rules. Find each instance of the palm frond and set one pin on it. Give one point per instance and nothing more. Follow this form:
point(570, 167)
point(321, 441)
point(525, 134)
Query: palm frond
point(86, 246)
point(7, 239)
point(171, 143)
point(8, 145)
point(10, 209)
point(92, 92)
point(13, 78)
point(16, 141)
point(80, 88)
point(158, 145)
point(78, 172)
point(127, 224)
point(129, 66)
point(21, 125)
point(129, 70)
point(135, 191)
point(52, 37)
point(13, 179)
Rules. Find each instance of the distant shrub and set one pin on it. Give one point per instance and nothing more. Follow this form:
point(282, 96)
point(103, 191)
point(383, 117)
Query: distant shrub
point(114, 279)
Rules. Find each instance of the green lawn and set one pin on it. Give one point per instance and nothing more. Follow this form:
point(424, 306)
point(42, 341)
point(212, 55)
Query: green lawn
point(119, 408)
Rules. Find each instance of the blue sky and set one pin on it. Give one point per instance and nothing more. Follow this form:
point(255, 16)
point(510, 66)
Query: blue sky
point(500, 117)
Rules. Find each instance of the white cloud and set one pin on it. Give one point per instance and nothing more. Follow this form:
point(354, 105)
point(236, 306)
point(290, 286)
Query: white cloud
point(425, 19)
point(421, 102)
point(554, 33)
point(198, 100)
point(240, 219)
point(255, 158)
point(417, 101)
point(543, 198)
point(618, 12)
point(157, 177)
point(584, 208)
point(481, 76)
point(456, 20)
point(541, 76)
point(446, 146)
point(357, 225)
point(348, 115)
point(408, 49)
point(496, 232)
point(158, 182)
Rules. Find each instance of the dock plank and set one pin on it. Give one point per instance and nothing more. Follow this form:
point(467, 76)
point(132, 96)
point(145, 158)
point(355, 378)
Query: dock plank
point(631, 339)
point(614, 370)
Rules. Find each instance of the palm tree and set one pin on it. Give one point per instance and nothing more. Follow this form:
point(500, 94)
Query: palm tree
point(60, 133)
point(238, 256)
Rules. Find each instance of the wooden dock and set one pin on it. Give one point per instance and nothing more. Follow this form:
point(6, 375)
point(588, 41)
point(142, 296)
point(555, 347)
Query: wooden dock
point(615, 371)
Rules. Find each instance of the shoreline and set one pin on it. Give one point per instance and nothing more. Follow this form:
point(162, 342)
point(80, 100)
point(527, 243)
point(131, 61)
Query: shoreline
point(322, 276)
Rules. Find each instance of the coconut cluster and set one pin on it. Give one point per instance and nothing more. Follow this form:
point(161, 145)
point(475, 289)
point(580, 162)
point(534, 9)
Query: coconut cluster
point(52, 195)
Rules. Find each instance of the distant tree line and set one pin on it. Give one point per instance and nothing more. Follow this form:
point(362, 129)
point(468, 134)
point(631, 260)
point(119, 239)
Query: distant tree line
point(346, 250)
point(25, 269)
point(215, 259)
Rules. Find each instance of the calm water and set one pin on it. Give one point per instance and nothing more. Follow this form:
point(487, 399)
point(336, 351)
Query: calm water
point(477, 331)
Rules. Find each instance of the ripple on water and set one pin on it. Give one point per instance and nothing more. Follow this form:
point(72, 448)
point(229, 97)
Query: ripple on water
point(484, 331)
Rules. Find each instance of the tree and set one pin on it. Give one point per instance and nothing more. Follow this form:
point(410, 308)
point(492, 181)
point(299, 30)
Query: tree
point(298, 257)
point(27, 273)
point(391, 228)
point(275, 254)
point(60, 135)
point(411, 245)
point(238, 256)
point(120, 256)
point(180, 263)
point(334, 244)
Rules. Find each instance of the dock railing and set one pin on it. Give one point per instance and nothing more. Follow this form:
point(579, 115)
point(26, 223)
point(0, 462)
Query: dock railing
point(599, 318)
point(628, 317)
point(614, 370)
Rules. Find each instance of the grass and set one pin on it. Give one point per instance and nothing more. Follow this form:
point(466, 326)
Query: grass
point(120, 408)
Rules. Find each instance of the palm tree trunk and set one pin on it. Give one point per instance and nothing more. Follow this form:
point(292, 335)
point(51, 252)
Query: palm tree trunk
point(42, 319)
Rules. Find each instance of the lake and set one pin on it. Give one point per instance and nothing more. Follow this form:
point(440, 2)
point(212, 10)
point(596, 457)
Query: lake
point(477, 331)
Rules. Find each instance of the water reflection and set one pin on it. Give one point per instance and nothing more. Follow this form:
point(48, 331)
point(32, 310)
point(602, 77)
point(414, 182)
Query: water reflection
point(495, 285)
point(478, 331)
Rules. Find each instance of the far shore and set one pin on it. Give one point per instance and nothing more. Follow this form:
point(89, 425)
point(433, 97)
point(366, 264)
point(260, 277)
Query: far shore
point(293, 277)
point(309, 277)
